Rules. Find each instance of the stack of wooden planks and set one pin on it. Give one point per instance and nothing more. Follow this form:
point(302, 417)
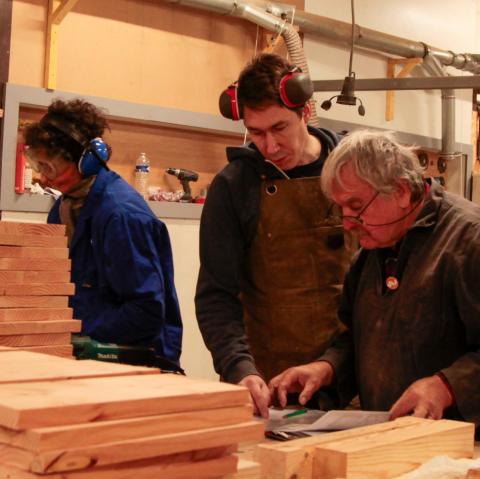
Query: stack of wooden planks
point(35, 285)
point(67, 419)
point(375, 452)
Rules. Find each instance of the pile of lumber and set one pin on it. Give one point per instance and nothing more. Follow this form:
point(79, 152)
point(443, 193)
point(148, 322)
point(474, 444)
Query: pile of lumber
point(375, 452)
point(98, 420)
point(35, 285)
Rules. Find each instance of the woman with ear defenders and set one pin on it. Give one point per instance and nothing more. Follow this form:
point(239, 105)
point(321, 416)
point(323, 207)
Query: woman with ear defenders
point(121, 256)
point(272, 257)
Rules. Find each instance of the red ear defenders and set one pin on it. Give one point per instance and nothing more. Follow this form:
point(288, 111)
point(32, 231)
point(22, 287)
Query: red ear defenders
point(295, 89)
point(95, 152)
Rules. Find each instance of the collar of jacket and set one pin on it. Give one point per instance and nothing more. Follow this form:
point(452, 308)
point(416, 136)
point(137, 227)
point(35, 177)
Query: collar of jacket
point(429, 213)
point(250, 152)
point(91, 203)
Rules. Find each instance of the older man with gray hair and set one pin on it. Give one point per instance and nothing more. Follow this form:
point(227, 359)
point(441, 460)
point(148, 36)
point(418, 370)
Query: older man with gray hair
point(411, 299)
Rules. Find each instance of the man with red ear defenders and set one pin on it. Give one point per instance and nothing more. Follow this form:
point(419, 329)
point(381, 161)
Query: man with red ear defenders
point(272, 255)
point(121, 255)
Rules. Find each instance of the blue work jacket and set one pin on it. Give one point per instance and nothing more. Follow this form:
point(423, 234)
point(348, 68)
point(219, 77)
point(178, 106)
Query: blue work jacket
point(122, 268)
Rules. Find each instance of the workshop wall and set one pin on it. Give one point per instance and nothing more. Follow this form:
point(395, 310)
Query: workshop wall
point(145, 52)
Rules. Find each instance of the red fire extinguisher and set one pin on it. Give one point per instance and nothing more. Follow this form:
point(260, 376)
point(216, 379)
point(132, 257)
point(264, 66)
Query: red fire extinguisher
point(20, 169)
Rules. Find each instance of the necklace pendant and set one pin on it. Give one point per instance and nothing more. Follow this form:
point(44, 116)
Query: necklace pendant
point(392, 283)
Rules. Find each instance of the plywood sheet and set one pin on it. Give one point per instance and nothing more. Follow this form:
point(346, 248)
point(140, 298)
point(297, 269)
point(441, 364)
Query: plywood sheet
point(35, 314)
point(38, 289)
point(16, 340)
point(33, 240)
point(24, 366)
point(32, 252)
point(388, 454)
point(26, 264)
point(33, 301)
point(39, 404)
point(15, 228)
point(146, 469)
point(34, 277)
point(40, 327)
point(69, 459)
point(90, 434)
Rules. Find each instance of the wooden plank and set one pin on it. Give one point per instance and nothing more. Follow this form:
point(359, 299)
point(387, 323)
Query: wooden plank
point(32, 252)
point(69, 459)
point(15, 340)
point(40, 327)
point(33, 301)
point(38, 229)
point(391, 453)
point(34, 277)
point(295, 458)
point(90, 434)
point(26, 264)
point(33, 240)
point(473, 474)
point(29, 405)
point(36, 314)
point(188, 468)
point(25, 366)
point(38, 289)
point(60, 350)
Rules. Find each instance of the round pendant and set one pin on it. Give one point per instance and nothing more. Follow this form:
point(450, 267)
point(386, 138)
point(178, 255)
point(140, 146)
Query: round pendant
point(392, 283)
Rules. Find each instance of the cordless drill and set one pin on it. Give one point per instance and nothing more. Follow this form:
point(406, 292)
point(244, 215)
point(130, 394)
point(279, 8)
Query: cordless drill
point(185, 176)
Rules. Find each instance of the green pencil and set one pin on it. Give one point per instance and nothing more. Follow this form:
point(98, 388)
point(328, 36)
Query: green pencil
point(295, 413)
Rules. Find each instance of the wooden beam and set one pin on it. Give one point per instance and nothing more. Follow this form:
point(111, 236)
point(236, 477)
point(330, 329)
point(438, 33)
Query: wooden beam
point(62, 10)
point(408, 65)
point(57, 11)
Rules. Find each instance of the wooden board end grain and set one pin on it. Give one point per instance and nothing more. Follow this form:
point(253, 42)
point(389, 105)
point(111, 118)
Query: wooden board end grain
point(40, 327)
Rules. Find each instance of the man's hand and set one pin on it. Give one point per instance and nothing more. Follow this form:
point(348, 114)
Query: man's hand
point(304, 379)
point(427, 397)
point(259, 393)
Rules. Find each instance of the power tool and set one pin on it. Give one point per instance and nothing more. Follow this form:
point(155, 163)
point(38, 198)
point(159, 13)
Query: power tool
point(84, 347)
point(185, 176)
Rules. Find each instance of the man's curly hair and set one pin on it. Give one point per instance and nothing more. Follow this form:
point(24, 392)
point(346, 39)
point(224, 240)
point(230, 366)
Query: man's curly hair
point(85, 119)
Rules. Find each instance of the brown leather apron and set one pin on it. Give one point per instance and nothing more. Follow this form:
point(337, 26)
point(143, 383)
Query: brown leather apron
point(293, 275)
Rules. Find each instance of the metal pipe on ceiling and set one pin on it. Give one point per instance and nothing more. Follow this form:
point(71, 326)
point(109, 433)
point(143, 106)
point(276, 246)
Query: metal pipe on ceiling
point(340, 32)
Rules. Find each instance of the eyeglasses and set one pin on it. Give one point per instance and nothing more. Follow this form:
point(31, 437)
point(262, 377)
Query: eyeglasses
point(40, 165)
point(358, 220)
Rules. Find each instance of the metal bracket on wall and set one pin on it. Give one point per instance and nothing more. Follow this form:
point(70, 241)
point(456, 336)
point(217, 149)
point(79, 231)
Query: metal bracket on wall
point(408, 65)
point(57, 11)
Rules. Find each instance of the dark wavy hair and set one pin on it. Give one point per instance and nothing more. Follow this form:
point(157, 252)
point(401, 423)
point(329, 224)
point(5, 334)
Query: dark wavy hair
point(259, 82)
point(85, 119)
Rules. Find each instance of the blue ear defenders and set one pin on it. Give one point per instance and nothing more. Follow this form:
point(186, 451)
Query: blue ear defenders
point(295, 89)
point(95, 153)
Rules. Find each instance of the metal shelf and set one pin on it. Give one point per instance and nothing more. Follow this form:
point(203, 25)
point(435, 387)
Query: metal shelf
point(17, 96)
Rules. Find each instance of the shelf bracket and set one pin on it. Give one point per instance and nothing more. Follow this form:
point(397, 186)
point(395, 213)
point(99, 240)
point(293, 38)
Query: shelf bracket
point(408, 65)
point(57, 11)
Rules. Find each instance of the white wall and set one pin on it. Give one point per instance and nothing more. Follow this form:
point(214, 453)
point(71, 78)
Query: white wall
point(196, 360)
point(440, 23)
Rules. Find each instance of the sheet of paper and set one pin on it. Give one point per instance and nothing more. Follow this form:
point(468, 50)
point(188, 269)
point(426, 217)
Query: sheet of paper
point(314, 420)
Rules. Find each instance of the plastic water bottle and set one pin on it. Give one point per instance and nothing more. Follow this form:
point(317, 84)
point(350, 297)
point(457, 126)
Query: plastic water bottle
point(142, 170)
